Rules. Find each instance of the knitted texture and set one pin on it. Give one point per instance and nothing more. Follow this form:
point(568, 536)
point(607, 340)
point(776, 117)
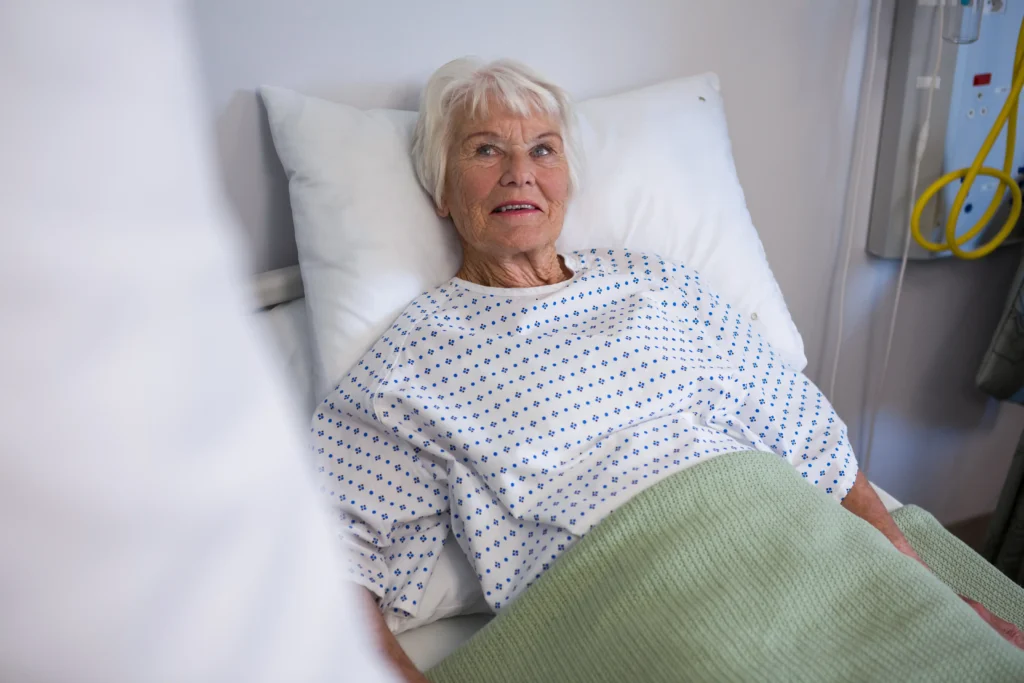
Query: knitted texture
point(734, 570)
point(959, 567)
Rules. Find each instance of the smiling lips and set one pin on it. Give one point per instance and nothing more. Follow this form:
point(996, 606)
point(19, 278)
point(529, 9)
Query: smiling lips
point(515, 208)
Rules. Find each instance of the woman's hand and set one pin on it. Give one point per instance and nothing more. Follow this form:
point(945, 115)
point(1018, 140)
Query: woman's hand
point(388, 644)
point(1004, 628)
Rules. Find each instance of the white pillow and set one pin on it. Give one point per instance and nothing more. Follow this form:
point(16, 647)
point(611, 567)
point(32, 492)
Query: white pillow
point(368, 239)
point(658, 176)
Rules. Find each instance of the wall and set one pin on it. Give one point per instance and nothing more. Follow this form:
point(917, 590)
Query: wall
point(939, 442)
point(791, 74)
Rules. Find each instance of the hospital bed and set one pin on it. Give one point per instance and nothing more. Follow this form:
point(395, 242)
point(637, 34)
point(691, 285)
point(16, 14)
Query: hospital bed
point(259, 192)
point(369, 242)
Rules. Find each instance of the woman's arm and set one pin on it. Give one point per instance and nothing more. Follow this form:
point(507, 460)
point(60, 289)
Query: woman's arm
point(388, 502)
point(865, 503)
point(388, 644)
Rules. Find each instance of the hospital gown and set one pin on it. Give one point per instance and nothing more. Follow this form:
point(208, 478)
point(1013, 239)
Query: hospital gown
point(520, 418)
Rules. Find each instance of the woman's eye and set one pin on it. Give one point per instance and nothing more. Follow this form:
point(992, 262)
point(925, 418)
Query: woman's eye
point(486, 150)
point(542, 151)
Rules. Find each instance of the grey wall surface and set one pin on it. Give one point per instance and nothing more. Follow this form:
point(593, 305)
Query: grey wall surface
point(791, 75)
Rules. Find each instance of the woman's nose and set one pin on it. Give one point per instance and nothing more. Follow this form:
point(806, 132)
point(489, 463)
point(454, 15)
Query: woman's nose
point(518, 170)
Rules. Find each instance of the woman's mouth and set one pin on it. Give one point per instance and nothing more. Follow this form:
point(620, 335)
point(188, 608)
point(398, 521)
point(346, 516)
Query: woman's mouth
point(515, 208)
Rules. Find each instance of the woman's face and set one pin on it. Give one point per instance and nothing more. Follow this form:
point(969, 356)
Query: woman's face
point(507, 182)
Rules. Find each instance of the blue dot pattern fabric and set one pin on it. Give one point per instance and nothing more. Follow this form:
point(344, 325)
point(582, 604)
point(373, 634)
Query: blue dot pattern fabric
point(520, 418)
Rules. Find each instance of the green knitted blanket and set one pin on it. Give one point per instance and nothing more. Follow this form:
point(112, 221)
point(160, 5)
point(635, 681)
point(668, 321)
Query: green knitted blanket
point(736, 570)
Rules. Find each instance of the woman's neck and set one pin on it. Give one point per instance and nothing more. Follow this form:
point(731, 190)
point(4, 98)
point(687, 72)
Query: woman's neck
point(529, 269)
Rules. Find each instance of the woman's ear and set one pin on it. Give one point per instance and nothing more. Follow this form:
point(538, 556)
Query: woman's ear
point(442, 209)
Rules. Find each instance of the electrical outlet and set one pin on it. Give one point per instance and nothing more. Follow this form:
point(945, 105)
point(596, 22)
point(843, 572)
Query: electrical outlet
point(978, 89)
point(994, 7)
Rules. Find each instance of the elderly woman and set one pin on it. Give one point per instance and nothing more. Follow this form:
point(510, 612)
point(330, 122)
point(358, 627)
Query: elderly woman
point(521, 402)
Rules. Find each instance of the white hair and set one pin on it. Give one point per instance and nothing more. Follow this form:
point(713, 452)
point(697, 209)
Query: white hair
point(467, 84)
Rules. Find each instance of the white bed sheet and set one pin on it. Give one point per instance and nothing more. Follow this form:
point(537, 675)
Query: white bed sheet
point(288, 329)
point(426, 645)
point(887, 500)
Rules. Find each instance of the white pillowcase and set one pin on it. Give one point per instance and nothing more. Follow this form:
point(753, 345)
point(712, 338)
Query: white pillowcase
point(369, 241)
point(658, 176)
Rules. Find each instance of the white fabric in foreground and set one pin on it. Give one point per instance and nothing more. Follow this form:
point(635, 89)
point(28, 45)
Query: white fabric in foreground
point(156, 520)
point(659, 176)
